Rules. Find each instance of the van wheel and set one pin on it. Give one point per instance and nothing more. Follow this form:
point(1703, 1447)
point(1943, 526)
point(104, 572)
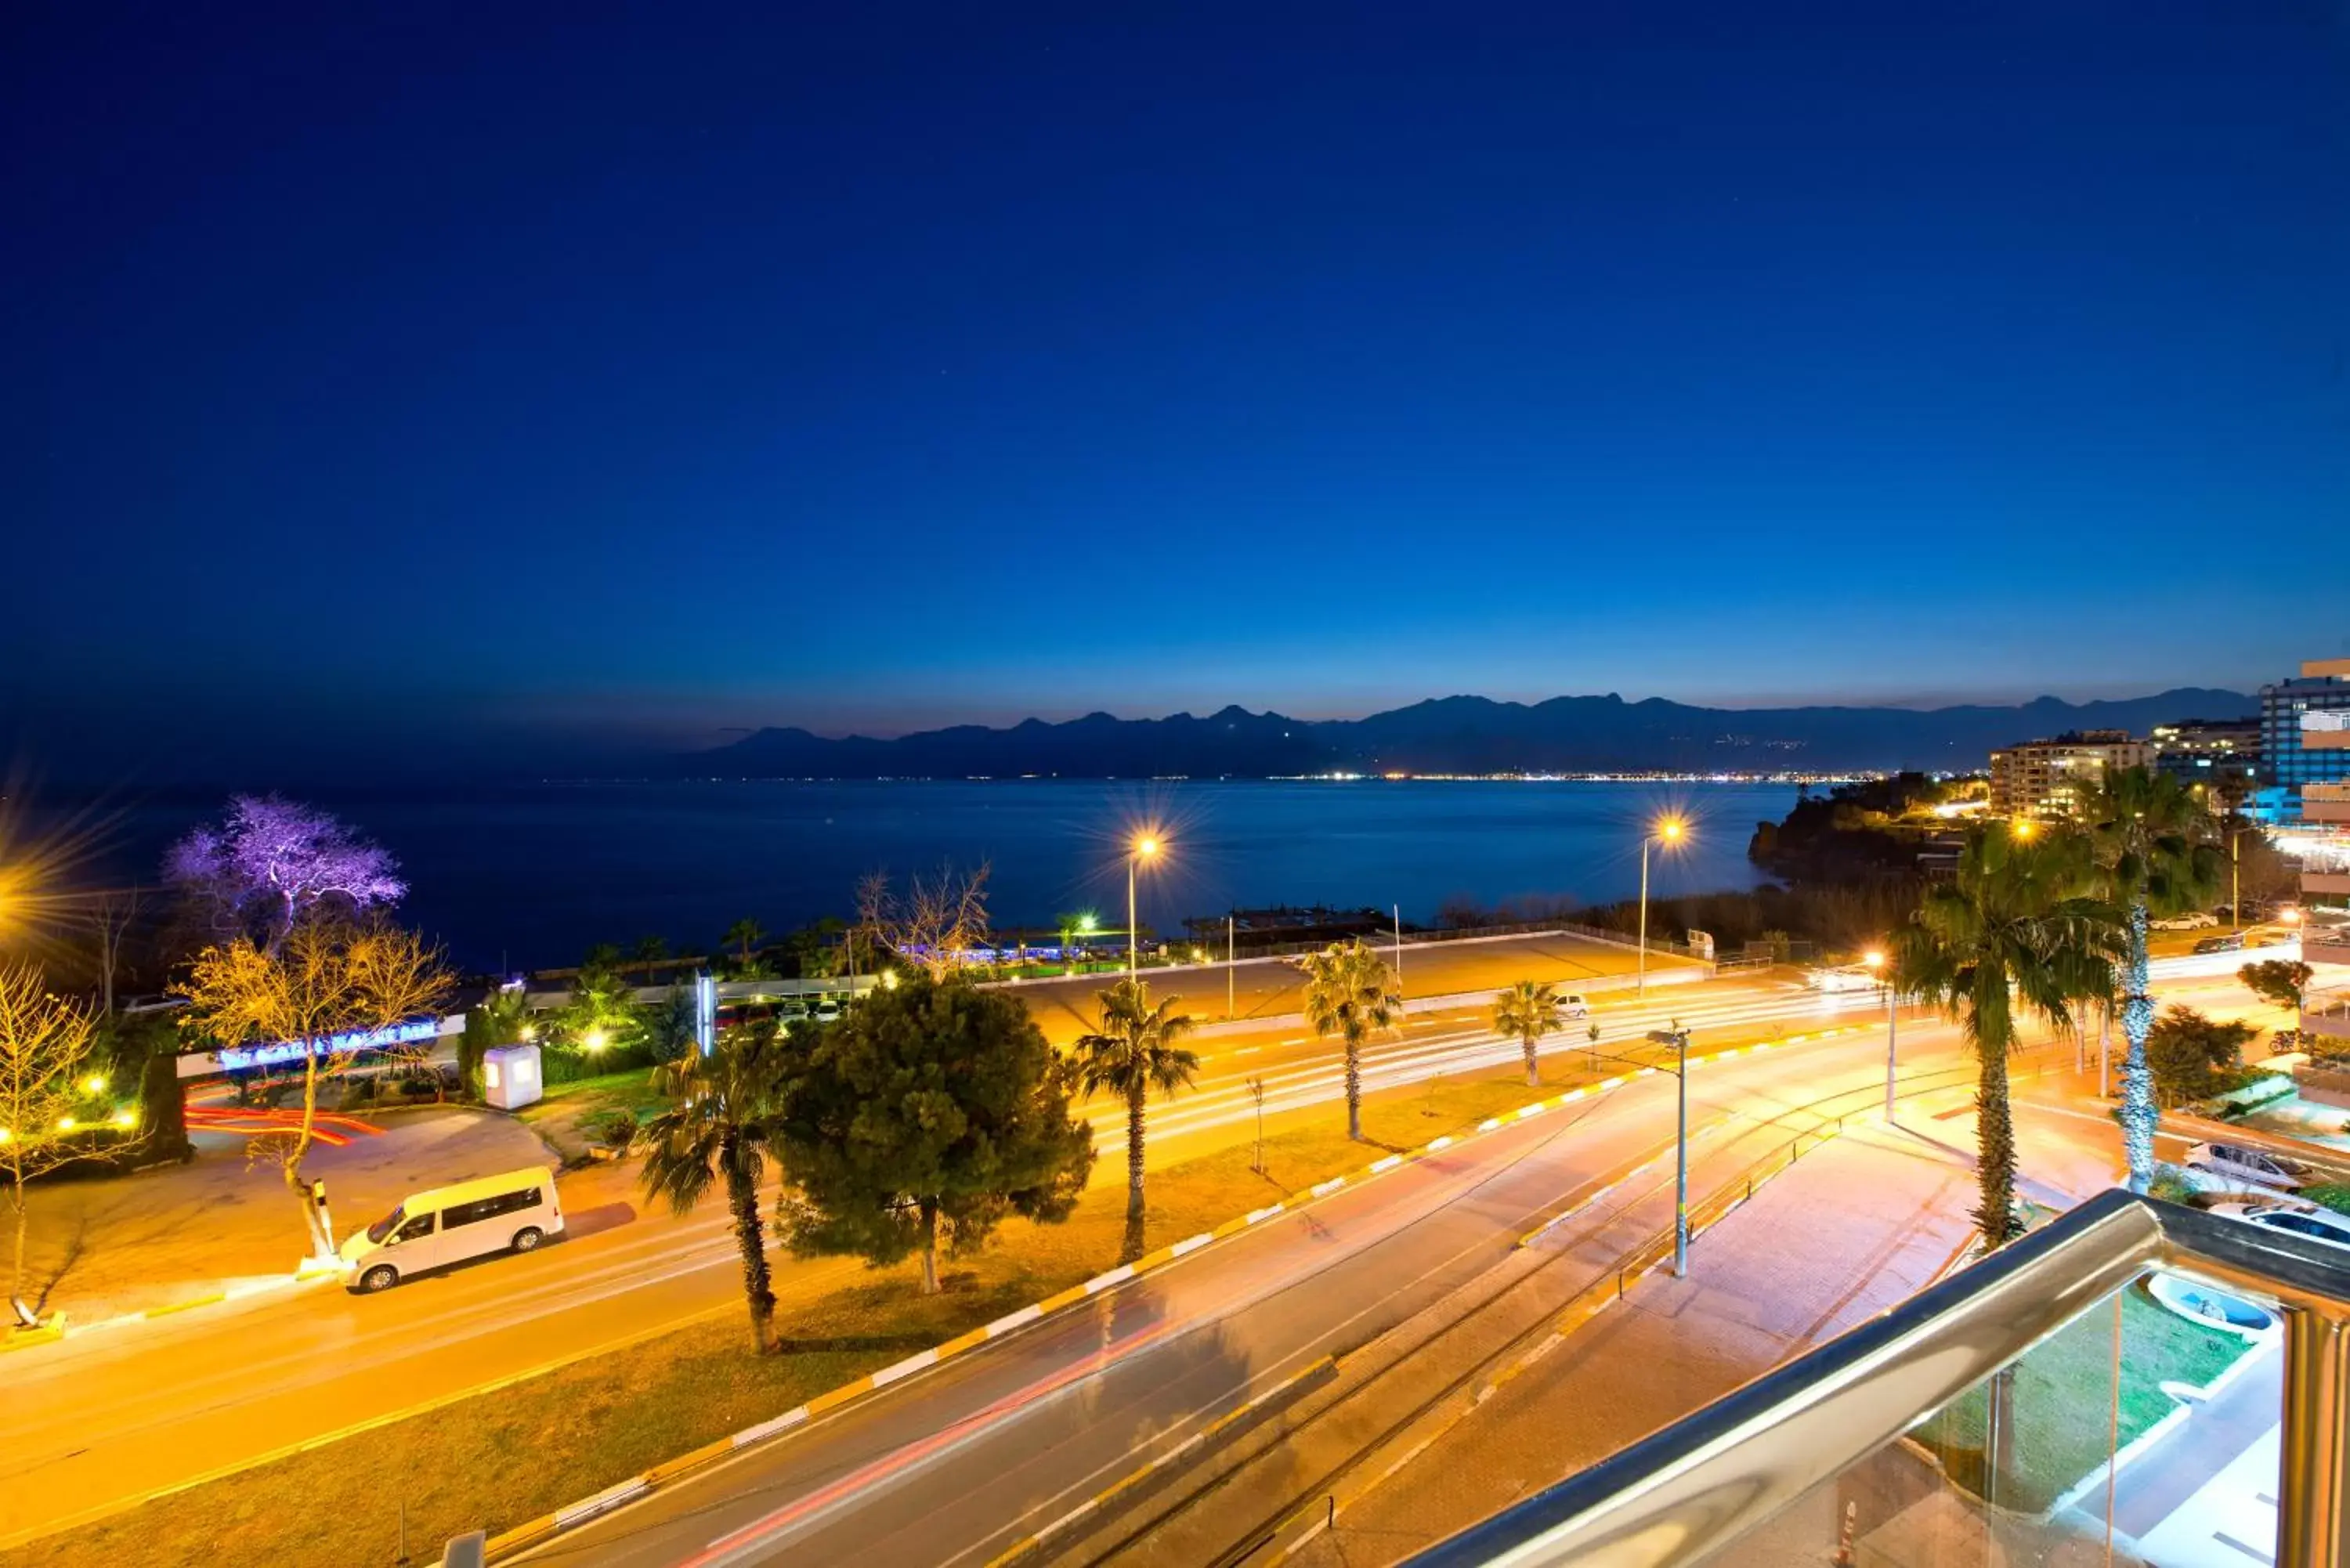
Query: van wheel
point(382, 1277)
point(528, 1239)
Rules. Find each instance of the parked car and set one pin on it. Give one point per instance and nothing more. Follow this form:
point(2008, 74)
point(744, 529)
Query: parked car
point(2235, 1165)
point(2232, 943)
point(1573, 1006)
point(827, 1009)
point(444, 1225)
point(2317, 1224)
point(2195, 921)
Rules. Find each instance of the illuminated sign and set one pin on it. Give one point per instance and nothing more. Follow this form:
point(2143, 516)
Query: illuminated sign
point(407, 1033)
point(705, 1012)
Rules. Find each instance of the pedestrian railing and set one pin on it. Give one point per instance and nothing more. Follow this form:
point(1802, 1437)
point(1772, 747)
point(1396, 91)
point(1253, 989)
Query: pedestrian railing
point(1917, 1438)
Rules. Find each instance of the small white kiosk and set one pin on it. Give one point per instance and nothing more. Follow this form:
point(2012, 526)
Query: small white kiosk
point(510, 1076)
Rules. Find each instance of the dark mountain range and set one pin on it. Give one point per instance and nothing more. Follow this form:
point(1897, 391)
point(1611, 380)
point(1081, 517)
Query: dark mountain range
point(1458, 736)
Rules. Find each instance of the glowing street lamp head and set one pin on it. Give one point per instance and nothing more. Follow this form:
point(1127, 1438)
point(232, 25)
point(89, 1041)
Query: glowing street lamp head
point(94, 1085)
point(2024, 829)
point(1146, 846)
point(594, 1039)
point(1872, 959)
point(67, 1124)
point(1670, 828)
point(125, 1117)
point(1087, 923)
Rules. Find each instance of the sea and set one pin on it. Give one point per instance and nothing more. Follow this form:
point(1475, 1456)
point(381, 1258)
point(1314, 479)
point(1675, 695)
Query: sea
point(531, 876)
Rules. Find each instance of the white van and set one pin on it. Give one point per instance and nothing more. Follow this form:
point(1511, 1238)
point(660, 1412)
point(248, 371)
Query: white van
point(514, 1212)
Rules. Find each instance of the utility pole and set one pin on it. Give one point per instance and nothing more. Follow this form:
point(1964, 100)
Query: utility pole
point(1399, 948)
point(1678, 1038)
point(1231, 969)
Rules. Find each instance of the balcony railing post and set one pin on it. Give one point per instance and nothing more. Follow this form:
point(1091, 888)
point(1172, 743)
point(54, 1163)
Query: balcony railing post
point(2313, 1516)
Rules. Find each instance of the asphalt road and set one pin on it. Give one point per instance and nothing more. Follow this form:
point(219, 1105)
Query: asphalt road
point(97, 1421)
point(952, 1465)
point(94, 1423)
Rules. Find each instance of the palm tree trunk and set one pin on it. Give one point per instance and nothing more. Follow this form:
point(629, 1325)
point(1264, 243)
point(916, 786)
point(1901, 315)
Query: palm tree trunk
point(2139, 1116)
point(1134, 1098)
point(1534, 1079)
point(929, 1222)
point(1354, 1086)
point(1995, 1140)
point(751, 1240)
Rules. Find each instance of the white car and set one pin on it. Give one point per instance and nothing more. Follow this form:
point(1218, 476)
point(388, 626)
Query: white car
point(1573, 1006)
point(2317, 1224)
point(2193, 922)
point(2232, 1167)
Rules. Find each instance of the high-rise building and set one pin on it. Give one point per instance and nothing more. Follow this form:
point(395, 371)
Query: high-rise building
point(2296, 717)
point(2047, 778)
point(2219, 758)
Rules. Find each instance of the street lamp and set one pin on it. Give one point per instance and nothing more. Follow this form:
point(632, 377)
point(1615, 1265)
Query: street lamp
point(1145, 848)
point(1875, 962)
point(1678, 1038)
point(1667, 831)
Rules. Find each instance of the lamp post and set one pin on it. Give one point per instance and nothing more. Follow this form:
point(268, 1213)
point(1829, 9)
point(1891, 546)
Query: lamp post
point(1668, 830)
point(1875, 962)
point(1678, 1038)
point(1145, 847)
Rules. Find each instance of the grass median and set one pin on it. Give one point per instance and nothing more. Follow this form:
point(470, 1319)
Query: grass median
point(493, 1461)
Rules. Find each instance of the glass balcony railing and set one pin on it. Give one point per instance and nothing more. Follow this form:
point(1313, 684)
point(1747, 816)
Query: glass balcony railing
point(2134, 1383)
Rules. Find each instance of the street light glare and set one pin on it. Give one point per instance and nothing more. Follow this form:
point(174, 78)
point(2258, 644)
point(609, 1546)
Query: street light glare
point(1146, 846)
point(1872, 959)
point(94, 1085)
point(1670, 829)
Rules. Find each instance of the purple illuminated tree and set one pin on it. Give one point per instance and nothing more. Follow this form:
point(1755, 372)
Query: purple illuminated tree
point(273, 862)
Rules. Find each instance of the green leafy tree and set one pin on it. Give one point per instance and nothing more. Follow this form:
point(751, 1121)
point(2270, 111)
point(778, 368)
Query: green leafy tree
point(1528, 1010)
point(601, 1016)
point(921, 1119)
point(2015, 924)
point(718, 1130)
point(1134, 1051)
point(670, 1024)
point(499, 1019)
point(745, 936)
point(1351, 993)
point(2194, 1057)
point(2281, 982)
point(2149, 838)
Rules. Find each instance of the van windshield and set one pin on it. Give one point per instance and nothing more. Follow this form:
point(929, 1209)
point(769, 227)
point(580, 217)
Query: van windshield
point(386, 1225)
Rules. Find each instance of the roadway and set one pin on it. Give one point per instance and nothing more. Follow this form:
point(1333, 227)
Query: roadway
point(84, 1432)
point(954, 1464)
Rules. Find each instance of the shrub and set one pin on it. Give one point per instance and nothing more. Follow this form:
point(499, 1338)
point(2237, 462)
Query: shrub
point(2170, 1185)
point(2334, 1195)
point(618, 1129)
point(359, 1091)
point(278, 1091)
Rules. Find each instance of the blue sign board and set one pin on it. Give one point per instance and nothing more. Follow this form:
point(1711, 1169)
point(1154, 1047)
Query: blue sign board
point(407, 1033)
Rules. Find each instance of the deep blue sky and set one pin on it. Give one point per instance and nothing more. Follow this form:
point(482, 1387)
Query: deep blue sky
point(382, 371)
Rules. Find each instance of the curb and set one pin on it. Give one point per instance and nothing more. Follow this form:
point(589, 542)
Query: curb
point(47, 1333)
point(546, 1526)
point(238, 1292)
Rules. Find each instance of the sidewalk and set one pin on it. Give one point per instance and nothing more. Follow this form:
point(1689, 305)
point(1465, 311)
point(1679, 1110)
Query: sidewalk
point(107, 1246)
point(1855, 1228)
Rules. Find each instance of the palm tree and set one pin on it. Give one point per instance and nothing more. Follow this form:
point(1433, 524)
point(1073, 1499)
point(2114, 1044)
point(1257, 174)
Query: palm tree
point(649, 952)
point(2016, 917)
point(1133, 1053)
point(1350, 993)
point(2147, 834)
point(1528, 1010)
point(718, 1129)
point(745, 935)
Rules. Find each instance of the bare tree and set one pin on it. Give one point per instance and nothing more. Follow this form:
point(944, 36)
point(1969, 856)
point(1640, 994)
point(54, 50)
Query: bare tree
point(111, 913)
point(935, 923)
point(45, 1041)
point(326, 976)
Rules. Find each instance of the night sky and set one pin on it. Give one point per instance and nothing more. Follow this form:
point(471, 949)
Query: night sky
point(523, 379)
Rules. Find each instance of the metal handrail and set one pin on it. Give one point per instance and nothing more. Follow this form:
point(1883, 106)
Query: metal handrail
point(1699, 1483)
